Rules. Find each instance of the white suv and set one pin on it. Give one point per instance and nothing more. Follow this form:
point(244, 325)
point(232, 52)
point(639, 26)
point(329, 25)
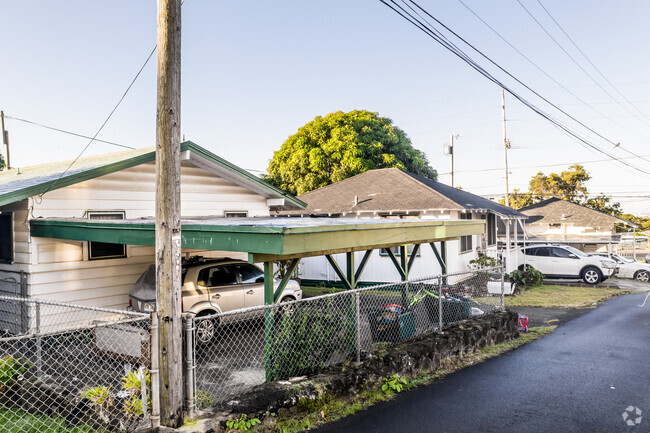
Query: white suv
point(563, 261)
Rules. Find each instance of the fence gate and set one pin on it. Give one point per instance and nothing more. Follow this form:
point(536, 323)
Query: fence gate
point(13, 316)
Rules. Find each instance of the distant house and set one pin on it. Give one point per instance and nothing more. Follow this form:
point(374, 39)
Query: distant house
point(117, 186)
point(557, 220)
point(393, 193)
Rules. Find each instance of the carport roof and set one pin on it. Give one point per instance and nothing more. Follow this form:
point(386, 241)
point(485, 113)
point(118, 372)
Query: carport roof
point(265, 239)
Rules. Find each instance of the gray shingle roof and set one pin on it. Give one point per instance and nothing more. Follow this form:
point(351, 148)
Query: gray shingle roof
point(391, 189)
point(557, 211)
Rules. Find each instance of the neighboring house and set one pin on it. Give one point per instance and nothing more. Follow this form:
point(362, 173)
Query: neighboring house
point(114, 186)
point(393, 193)
point(557, 220)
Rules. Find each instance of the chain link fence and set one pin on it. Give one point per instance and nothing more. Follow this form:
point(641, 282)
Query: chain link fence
point(67, 367)
point(234, 351)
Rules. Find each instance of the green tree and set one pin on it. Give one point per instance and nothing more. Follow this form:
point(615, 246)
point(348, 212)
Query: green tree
point(603, 204)
point(341, 145)
point(2, 162)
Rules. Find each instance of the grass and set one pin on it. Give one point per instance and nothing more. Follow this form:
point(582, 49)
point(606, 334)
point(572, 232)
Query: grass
point(557, 296)
point(18, 421)
point(331, 409)
point(319, 290)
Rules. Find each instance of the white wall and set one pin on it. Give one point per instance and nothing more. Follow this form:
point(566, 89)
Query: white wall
point(61, 270)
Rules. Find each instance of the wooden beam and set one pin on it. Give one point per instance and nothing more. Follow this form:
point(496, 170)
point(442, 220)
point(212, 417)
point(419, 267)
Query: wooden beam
point(397, 264)
point(339, 272)
point(168, 211)
point(285, 280)
point(416, 250)
point(362, 265)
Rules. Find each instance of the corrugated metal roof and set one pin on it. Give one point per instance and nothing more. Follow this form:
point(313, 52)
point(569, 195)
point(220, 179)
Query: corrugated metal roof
point(393, 190)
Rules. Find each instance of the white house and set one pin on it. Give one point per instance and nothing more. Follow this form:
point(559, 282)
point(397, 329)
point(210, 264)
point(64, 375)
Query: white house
point(114, 186)
point(393, 193)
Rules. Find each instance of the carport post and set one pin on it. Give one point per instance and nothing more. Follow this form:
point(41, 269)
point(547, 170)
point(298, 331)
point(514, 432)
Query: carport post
point(268, 313)
point(503, 277)
point(190, 365)
point(405, 275)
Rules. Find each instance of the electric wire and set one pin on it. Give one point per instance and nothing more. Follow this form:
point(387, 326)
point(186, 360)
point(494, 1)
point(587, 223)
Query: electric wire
point(529, 60)
point(49, 188)
point(573, 59)
point(441, 39)
point(591, 63)
point(66, 132)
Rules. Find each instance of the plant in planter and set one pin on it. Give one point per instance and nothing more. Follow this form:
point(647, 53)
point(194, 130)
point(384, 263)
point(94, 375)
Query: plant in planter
point(526, 277)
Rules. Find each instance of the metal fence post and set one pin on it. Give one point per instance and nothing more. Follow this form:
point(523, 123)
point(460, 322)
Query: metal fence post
point(155, 372)
point(357, 325)
point(39, 354)
point(189, 361)
point(440, 306)
point(503, 278)
point(142, 376)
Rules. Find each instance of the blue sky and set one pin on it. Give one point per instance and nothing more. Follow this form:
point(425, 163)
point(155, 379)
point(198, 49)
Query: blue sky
point(254, 72)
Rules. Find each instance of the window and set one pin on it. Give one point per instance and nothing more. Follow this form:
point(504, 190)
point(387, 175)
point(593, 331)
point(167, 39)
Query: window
point(6, 238)
point(491, 229)
point(105, 250)
point(561, 252)
point(465, 241)
point(235, 214)
point(530, 251)
point(543, 252)
point(217, 276)
point(396, 251)
point(250, 274)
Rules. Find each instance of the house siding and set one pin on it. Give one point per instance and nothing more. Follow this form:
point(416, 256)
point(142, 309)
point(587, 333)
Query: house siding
point(60, 270)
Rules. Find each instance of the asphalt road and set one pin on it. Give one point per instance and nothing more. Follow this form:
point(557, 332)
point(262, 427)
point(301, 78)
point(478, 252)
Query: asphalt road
point(581, 378)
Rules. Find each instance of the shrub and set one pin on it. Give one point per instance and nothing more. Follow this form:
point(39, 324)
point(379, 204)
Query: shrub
point(10, 371)
point(131, 383)
point(483, 261)
point(306, 341)
point(526, 277)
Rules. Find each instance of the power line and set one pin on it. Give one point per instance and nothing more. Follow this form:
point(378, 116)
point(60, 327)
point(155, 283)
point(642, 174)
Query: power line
point(544, 72)
point(590, 62)
point(67, 132)
point(103, 124)
point(435, 34)
point(572, 58)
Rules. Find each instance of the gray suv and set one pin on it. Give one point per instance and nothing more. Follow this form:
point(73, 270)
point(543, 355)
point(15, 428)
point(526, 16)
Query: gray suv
point(563, 261)
point(212, 286)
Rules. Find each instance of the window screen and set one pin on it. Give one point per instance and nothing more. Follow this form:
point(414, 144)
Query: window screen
point(465, 241)
point(105, 250)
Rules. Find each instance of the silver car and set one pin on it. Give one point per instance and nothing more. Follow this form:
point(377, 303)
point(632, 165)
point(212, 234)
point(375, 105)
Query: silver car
point(212, 286)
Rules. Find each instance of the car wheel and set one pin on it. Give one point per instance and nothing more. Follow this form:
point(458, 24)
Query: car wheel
point(287, 310)
point(592, 275)
point(205, 329)
point(643, 276)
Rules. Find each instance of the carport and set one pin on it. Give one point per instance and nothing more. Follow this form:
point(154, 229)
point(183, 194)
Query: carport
point(267, 240)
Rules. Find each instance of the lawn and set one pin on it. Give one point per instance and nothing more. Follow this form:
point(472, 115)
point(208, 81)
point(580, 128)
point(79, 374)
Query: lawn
point(17, 421)
point(557, 296)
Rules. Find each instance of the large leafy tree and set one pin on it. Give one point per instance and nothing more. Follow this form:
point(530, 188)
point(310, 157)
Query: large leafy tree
point(341, 145)
point(568, 185)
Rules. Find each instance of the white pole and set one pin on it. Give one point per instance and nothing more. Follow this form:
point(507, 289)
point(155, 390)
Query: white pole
point(506, 145)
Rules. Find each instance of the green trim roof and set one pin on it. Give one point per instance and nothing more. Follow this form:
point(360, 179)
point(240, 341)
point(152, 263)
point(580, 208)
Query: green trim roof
point(20, 183)
point(265, 239)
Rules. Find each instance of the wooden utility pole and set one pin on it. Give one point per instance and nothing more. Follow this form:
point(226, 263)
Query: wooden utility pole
point(506, 143)
point(5, 139)
point(168, 211)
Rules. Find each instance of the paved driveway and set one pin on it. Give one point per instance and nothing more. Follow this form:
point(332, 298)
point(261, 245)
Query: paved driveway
point(581, 378)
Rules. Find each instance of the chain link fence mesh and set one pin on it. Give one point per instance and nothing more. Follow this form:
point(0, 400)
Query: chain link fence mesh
point(237, 350)
point(67, 367)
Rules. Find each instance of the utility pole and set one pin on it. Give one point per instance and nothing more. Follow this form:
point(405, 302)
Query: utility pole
point(449, 150)
point(168, 206)
point(506, 143)
point(5, 140)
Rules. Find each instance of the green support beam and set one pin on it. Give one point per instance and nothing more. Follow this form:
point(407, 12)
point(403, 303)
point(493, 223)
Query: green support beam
point(351, 277)
point(268, 314)
point(362, 265)
point(339, 272)
point(398, 266)
point(416, 250)
point(285, 280)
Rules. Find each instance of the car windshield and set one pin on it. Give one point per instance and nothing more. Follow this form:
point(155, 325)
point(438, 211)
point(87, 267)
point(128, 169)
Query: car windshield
point(622, 259)
point(575, 251)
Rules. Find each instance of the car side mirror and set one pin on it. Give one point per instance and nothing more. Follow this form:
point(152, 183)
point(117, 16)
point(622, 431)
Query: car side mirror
point(573, 256)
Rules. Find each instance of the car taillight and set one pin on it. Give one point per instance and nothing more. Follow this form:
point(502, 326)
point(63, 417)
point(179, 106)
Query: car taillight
point(182, 309)
point(130, 302)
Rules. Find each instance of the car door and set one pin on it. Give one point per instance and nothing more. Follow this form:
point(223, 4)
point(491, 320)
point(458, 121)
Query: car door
point(252, 282)
point(543, 261)
point(565, 263)
point(222, 286)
